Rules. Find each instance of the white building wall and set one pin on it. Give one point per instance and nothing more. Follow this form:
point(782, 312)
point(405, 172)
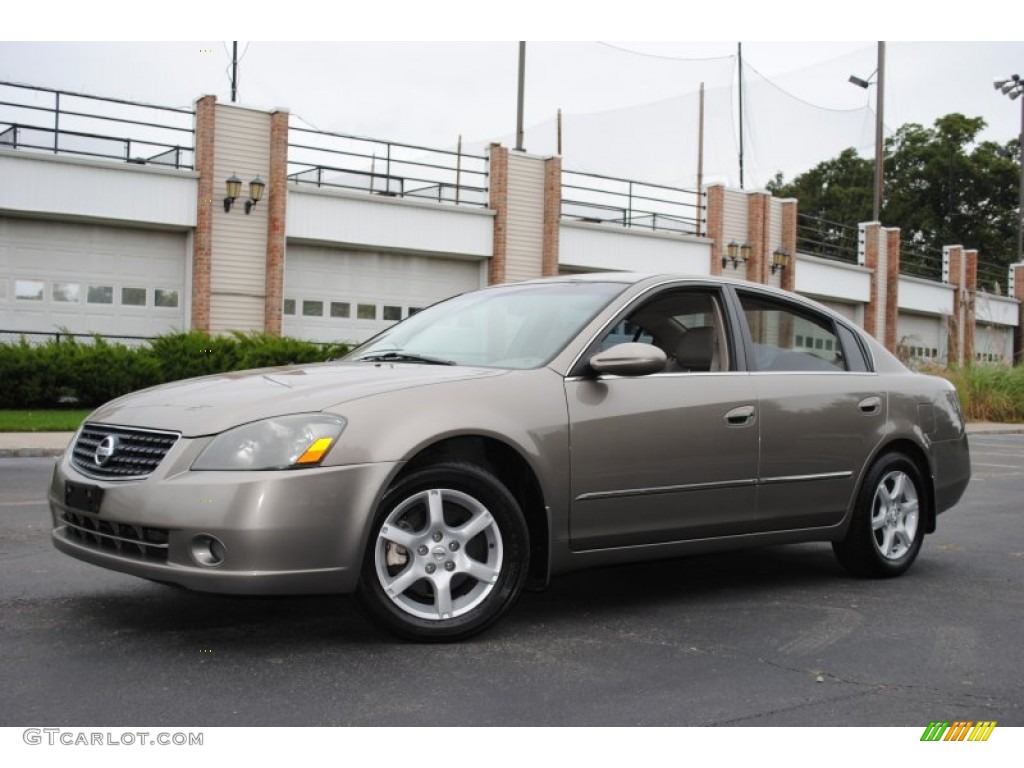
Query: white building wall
point(735, 215)
point(996, 310)
point(599, 247)
point(774, 227)
point(238, 271)
point(826, 279)
point(524, 249)
point(373, 221)
point(925, 296)
point(62, 187)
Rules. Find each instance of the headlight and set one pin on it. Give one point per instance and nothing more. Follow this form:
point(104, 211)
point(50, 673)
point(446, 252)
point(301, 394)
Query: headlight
point(284, 442)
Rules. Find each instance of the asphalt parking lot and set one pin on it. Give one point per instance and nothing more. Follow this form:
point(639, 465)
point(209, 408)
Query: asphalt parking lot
point(769, 637)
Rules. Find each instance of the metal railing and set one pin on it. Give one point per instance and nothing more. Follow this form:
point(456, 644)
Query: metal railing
point(993, 278)
point(59, 122)
point(826, 239)
point(340, 161)
point(920, 261)
point(598, 199)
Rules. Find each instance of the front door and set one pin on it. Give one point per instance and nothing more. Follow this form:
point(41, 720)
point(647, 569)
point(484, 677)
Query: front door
point(668, 456)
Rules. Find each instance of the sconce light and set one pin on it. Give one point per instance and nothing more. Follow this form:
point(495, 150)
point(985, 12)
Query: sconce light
point(780, 260)
point(256, 187)
point(234, 185)
point(736, 253)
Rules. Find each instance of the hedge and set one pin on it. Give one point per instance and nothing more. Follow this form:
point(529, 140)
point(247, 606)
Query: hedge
point(67, 372)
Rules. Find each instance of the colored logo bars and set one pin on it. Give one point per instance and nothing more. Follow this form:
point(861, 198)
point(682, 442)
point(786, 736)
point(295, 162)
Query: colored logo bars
point(959, 730)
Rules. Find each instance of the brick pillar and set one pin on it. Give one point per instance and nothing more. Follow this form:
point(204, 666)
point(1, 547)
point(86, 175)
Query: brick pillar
point(970, 290)
point(953, 254)
point(1018, 294)
point(277, 203)
point(202, 242)
point(757, 235)
point(789, 211)
point(869, 242)
point(892, 286)
point(498, 202)
point(552, 215)
point(716, 225)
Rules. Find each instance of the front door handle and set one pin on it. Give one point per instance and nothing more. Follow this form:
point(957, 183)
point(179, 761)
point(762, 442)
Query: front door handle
point(740, 417)
point(870, 404)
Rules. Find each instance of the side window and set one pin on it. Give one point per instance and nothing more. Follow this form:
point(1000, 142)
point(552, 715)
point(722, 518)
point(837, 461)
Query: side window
point(790, 338)
point(687, 325)
point(852, 350)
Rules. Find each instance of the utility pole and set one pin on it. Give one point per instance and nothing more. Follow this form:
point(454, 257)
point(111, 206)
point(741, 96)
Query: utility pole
point(234, 71)
point(522, 88)
point(739, 49)
point(879, 80)
point(1013, 86)
point(700, 161)
point(879, 136)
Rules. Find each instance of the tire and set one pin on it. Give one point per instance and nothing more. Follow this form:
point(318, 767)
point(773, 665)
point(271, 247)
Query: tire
point(447, 555)
point(887, 528)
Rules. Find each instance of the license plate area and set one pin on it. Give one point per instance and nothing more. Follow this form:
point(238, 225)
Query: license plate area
point(80, 496)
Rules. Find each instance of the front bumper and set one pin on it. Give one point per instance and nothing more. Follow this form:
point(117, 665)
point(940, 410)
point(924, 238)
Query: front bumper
point(282, 532)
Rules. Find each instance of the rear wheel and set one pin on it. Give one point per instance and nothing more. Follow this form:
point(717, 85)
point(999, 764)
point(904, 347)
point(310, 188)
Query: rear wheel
point(448, 554)
point(887, 528)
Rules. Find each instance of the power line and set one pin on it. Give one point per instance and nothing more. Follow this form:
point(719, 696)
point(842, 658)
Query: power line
point(661, 56)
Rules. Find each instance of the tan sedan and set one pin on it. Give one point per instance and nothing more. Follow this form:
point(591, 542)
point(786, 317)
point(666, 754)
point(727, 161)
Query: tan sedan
point(504, 436)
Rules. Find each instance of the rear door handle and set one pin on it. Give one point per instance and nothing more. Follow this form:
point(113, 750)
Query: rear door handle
point(870, 404)
point(740, 417)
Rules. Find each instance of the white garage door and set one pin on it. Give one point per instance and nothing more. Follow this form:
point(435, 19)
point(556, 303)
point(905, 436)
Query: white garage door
point(923, 338)
point(90, 278)
point(331, 294)
point(993, 343)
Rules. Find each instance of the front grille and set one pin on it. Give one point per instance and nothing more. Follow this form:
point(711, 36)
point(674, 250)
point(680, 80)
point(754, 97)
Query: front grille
point(135, 541)
point(136, 452)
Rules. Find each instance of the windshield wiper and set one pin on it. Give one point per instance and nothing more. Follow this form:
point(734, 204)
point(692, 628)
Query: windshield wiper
point(395, 356)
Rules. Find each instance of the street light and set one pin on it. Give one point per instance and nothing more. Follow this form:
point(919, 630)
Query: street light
point(879, 135)
point(1013, 87)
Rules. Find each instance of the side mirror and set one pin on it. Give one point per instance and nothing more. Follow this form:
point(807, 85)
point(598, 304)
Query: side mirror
point(631, 359)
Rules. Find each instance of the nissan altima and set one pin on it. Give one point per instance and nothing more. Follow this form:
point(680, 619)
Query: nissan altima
point(502, 437)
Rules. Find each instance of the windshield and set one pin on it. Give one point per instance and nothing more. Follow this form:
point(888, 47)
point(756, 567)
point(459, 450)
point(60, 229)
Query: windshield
point(516, 326)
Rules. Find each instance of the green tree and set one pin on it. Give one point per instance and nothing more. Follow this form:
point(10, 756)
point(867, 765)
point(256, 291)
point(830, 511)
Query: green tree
point(942, 187)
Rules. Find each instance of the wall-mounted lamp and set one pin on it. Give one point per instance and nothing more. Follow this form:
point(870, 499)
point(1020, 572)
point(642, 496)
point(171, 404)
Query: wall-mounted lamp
point(234, 186)
point(780, 260)
point(736, 253)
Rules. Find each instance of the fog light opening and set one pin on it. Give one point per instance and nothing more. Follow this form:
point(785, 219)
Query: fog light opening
point(207, 550)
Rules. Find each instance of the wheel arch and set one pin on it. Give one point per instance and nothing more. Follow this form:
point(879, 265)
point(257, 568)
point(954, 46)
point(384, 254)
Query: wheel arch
point(515, 473)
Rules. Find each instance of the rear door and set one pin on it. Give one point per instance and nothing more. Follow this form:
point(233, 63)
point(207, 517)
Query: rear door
point(821, 411)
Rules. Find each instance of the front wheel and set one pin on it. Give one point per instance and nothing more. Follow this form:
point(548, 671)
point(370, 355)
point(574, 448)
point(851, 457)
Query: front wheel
point(448, 554)
point(887, 528)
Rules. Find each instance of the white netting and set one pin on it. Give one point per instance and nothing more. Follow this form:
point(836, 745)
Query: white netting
point(657, 141)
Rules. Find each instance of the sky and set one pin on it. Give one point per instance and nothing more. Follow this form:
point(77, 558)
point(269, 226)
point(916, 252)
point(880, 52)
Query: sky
point(630, 108)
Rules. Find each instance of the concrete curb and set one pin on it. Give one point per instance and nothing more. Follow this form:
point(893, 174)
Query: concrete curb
point(995, 429)
point(29, 453)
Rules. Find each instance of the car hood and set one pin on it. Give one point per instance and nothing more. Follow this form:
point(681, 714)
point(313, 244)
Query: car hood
point(211, 404)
